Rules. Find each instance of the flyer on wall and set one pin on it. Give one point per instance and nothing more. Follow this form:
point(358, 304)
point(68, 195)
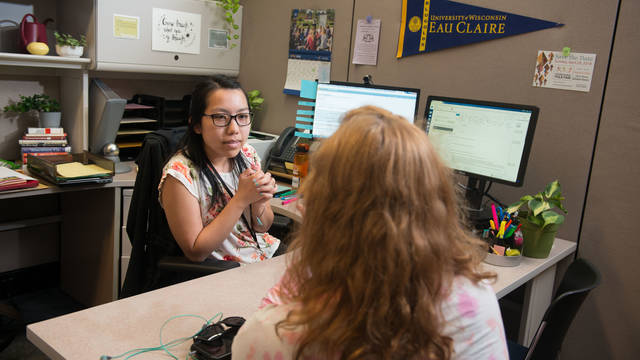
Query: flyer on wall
point(571, 72)
point(310, 41)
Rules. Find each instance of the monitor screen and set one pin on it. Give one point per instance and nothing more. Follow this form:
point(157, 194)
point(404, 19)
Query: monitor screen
point(334, 99)
point(482, 139)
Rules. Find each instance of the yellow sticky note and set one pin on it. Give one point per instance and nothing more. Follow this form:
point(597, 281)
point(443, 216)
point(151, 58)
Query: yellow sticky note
point(127, 27)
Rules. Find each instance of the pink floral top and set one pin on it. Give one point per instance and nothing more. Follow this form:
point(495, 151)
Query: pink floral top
point(471, 313)
point(239, 245)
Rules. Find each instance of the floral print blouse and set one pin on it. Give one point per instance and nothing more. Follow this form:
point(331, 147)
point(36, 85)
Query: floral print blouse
point(239, 245)
point(471, 313)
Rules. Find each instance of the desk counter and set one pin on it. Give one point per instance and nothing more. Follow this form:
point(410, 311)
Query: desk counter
point(119, 326)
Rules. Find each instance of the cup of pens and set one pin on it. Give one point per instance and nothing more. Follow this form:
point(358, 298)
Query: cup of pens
point(504, 238)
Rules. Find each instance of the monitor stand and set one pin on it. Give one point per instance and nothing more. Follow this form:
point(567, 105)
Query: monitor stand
point(478, 216)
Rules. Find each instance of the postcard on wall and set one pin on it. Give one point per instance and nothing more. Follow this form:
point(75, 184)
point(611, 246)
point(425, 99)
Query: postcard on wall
point(556, 71)
point(366, 48)
point(310, 42)
point(175, 31)
point(126, 27)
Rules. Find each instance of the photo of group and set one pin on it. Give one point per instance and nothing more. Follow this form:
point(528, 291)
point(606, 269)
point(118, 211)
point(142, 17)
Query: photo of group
point(311, 33)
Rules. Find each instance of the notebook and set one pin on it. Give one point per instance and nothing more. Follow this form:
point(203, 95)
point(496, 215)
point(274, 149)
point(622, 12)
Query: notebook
point(11, 180)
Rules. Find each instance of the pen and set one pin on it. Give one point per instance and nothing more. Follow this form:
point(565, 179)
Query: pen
point(285, 202)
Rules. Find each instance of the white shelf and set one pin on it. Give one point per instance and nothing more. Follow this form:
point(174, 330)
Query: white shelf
point(46, 61)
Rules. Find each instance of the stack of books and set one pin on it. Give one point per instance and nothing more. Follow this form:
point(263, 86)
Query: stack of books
point(43, 142)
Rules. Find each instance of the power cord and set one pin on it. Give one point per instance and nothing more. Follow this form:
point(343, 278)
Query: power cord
point(165, 347)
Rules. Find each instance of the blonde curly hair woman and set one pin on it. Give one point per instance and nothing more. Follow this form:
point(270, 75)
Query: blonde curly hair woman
point(382, 266)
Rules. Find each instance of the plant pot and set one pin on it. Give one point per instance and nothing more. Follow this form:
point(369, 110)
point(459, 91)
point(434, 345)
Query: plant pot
point(537, 241)
point(69, 51)
point(50, 119)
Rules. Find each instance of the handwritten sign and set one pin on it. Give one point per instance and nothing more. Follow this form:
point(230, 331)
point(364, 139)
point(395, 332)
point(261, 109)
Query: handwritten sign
point(175, 31)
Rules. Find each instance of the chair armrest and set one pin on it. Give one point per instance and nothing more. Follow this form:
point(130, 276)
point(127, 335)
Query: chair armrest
point(182, 264)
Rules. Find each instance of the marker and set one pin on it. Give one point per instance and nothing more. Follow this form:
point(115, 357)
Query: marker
point(284, 193)
point(495, 216)
point(493, 225)
point(285, 202)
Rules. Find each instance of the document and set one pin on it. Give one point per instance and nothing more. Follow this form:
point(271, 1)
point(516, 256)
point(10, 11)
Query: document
point(367, 37)
point(76, 169)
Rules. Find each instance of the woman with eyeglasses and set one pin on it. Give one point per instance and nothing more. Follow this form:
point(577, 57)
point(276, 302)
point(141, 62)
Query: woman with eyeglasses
point(383, 268)
point(213, 192)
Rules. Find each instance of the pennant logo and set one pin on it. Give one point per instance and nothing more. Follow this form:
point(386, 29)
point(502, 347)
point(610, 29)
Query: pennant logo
point(430, 25)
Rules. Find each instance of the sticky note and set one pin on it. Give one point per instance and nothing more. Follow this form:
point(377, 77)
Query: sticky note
point(308, 89)
point(305, 119)
point(304, 126)
point(306, 103)
point(499, 249)
point(303, 135)
point(566, 51)
point(304, 112)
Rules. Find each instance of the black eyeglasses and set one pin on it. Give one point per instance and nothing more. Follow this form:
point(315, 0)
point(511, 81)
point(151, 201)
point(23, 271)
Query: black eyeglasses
point(214, 331)
point(223, 119)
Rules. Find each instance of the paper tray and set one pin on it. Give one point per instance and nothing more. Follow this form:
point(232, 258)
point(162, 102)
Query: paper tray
point(45, 166)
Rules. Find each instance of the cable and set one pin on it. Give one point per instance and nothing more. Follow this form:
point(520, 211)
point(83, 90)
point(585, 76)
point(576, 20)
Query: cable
point(165, 347)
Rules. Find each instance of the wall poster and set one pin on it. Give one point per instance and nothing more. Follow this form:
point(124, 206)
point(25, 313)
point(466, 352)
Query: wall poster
point(175, 31)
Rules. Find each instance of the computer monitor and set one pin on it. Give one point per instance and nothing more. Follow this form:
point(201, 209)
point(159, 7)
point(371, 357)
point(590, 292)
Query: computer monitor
point(334, 99)
point(484, 140)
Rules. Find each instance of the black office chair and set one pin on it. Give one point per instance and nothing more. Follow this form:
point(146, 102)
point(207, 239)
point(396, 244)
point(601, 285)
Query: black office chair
point(581, 277)
point(156, 259)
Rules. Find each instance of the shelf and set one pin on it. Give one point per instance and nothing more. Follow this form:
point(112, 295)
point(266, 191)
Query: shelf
point(21, 224)
point(136, 120)
point(129, 144)
point(133, 132)
point(46, 61)
point(134, 106)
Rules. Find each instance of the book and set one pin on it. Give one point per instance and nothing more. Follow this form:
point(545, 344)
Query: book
point(25, 155)
point(35, 130)
point(44, 137)
point(11, 180)
point(43, 149)
point(43, 142)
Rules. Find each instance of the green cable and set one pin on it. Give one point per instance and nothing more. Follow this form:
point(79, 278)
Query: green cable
point(170, 344)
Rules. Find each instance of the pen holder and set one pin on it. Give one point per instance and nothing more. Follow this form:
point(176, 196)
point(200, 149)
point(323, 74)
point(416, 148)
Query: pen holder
point(504, 245)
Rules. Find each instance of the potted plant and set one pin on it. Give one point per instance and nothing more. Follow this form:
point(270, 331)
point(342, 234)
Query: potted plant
point(67, 45)
point(230, 7)
point(540, 222)
point(48, 109)
point(255, 101)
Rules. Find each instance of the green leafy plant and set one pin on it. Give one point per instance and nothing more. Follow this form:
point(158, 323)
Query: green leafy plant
point(230, 8)
point(68, 40)
point(38, 102)
point(541, 204)
point(255, 101)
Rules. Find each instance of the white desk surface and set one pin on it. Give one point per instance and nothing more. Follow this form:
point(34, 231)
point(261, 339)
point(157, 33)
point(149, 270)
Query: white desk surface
point(119, 326)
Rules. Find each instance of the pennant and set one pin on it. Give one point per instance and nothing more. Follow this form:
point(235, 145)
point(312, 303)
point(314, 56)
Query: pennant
point(430, 25)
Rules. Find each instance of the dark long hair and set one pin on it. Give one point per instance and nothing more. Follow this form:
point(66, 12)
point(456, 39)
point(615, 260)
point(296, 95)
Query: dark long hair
point(192, 144)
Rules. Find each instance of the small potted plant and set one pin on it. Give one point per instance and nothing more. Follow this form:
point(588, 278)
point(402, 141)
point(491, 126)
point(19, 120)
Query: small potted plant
point(67, 45)
point(48, 109)
point(540, 222)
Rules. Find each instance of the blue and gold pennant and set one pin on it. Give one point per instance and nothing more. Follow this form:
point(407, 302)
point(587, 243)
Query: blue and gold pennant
point(430, 25)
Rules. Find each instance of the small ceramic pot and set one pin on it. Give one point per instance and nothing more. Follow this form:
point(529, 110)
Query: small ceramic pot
point(69, 51)
point(50, 119)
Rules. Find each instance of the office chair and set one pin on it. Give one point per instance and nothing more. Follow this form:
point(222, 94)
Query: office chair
point(156, 259)
point(581, 277)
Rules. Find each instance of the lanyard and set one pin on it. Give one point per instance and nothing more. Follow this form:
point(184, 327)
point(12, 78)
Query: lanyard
point(216, 177)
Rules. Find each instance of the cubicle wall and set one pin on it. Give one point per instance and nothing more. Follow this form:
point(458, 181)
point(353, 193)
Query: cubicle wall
point(500, 70)
point(497, 70)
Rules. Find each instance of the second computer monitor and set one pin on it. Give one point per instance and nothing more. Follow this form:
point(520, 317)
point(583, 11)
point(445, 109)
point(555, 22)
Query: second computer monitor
point(334, 99)
point(481, 139)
